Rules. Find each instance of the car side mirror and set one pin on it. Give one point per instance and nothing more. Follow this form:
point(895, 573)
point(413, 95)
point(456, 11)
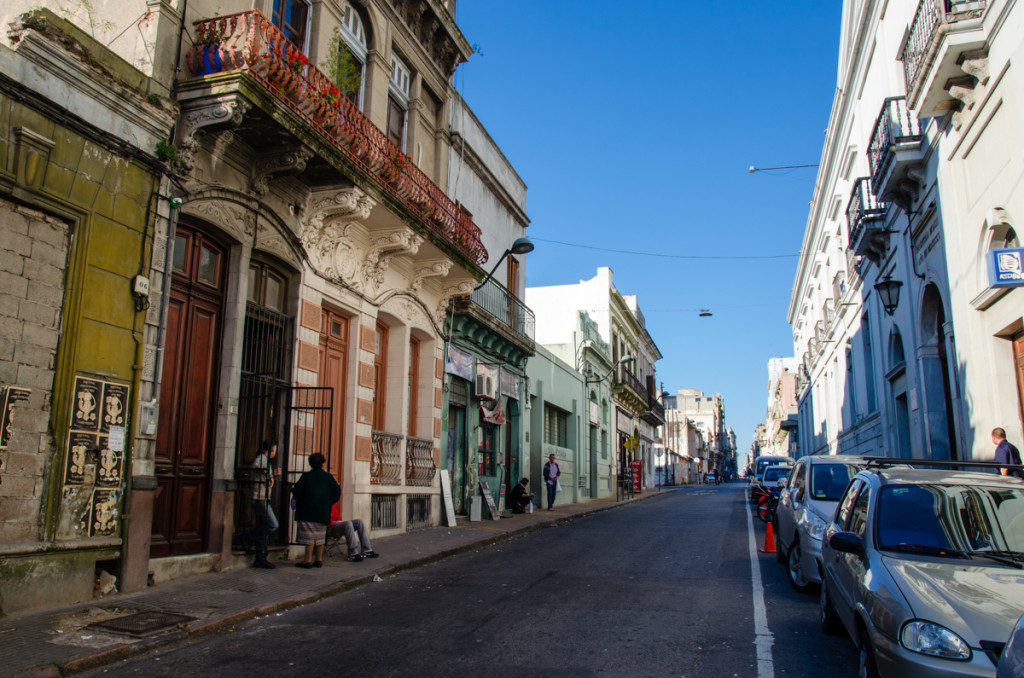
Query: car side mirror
point(798, 494)
point(848, 542)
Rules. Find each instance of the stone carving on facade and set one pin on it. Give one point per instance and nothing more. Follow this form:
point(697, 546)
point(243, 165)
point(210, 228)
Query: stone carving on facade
point(327, 233)
point(265, 167)
point(270, 240)
point(431, 269)
point(234, 219)
point(449, 292)
point(228, 110)
point(385, 248)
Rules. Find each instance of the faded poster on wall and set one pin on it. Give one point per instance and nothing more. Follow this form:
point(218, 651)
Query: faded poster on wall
point(80, 449)
point(9, 397)
point(110, 468)
point(104, 513)
point(115, 405)
point(88, 396)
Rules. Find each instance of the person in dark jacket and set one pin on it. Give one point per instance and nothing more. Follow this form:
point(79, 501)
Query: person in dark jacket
point(315, 493)
point(520, 497)
point(1006, 453)
point(551, 473)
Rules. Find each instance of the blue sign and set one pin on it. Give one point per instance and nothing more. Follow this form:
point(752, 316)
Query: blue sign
point(1005, 267)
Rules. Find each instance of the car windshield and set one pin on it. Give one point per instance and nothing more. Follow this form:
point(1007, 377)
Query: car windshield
point(773, 474)
point(829, 481)
point(966, 518)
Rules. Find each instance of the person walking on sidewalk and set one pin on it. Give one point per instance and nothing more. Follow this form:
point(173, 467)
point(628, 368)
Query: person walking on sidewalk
point(356, 535)
point(263, 474)
point(551, 473)
point(1006, 453)
point(314, 494)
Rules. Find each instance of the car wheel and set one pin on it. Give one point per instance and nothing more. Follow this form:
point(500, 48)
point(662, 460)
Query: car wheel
point(866, 659)
point(795, 567)
point(780, 554)
point(828, 617)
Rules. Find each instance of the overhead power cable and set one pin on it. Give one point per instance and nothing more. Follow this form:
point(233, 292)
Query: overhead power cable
point(729, 257)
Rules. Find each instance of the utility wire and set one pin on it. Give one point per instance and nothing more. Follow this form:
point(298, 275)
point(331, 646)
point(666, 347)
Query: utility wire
point(669, 256)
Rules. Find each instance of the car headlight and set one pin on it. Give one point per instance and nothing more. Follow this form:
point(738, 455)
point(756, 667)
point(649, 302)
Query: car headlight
point(814, 525)
point(932, 639)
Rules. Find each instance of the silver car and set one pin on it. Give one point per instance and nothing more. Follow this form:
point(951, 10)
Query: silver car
point(925, 570)
point(805, 507)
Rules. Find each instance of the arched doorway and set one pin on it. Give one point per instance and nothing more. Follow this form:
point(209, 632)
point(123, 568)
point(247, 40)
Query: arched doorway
point(185, 436)
point(937, 400)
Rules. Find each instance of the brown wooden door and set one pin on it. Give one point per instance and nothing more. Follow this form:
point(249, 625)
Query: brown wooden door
point(188, 397)
point(333, 374)
point(1018, 370)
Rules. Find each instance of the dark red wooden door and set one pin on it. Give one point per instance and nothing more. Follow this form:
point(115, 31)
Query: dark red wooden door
point(188, 397)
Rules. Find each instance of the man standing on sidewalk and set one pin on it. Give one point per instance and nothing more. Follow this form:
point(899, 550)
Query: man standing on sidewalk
point(551, 473)
point(1006, 453)
point(263, 474)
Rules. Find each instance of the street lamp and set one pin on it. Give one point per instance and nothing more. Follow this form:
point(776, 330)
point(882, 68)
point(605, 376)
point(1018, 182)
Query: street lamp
point(627, 359)
point(889, 293)
point(519, 246)
point(765, 169)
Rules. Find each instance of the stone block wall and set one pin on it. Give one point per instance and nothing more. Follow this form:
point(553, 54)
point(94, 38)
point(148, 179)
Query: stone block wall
point(33, 262)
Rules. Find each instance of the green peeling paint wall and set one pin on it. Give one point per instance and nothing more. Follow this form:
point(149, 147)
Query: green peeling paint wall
point(76, 226)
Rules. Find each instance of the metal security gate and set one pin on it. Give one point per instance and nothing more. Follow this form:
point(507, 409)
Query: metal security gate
point(262, 400)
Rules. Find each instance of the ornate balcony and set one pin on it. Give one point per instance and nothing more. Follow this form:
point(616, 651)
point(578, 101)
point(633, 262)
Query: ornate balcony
point(896, 154)
point(655, 414)
point(386, 463)
point(494, 317)
point(944, 56)
point(419, 462)
point(249, 45)
point(865, 216)
point(630, 390)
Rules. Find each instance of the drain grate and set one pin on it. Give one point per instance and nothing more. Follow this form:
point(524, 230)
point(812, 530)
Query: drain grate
point(141, 624)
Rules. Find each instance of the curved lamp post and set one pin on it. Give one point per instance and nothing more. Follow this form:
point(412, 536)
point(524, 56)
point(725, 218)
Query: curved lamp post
point(519, 246)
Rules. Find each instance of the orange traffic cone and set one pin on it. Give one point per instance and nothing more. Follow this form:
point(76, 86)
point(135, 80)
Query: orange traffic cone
point(769, 540)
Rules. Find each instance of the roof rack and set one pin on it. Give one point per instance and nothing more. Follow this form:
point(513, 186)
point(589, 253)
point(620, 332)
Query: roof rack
point(885, 462)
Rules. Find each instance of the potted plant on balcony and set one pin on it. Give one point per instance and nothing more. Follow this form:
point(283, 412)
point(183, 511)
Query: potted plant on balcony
point(209, 55)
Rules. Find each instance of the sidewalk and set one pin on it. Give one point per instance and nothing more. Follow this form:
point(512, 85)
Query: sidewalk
point(59, 642)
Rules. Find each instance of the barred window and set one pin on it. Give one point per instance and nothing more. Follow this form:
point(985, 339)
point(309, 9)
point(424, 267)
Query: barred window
point(556, 424)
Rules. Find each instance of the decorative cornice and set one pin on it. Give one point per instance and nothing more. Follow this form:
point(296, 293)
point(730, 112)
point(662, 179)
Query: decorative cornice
point(289, 161)
point(385, 248)
point(327, 232)
point(226, 109)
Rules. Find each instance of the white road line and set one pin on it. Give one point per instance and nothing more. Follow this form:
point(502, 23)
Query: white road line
point(763, 637)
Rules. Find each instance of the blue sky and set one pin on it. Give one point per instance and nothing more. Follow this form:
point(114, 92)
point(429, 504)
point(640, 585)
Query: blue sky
point(633, 125)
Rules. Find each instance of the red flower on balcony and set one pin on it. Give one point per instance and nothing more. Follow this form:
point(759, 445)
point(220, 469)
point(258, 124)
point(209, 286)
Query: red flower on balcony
point(296, 61)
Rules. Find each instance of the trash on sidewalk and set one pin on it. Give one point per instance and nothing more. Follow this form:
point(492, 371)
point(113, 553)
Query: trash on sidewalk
point(376, 577)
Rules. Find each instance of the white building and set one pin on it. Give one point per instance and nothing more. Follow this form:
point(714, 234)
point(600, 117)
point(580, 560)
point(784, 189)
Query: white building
point(782, 415)
point(621, 324)
point(917, 184)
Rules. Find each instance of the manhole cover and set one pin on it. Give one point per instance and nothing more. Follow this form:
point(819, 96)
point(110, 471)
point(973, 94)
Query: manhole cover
point(141, 624)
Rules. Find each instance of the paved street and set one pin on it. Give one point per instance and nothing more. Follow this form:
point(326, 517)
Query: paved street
point(660, 588)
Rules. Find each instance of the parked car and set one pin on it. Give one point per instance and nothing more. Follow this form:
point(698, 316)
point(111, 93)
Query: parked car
point(1011, 661)
point(805, 507)
point(760, 464)
point(710, 478)
point(924, 569)
point(768, 482)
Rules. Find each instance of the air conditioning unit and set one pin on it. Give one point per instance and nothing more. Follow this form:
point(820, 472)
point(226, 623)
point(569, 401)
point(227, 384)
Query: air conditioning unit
point(484, 388)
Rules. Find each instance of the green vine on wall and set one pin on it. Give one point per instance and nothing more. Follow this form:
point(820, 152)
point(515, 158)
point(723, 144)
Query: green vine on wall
point(342, 67)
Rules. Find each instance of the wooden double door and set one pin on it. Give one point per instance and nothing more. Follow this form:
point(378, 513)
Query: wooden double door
point(185, 434)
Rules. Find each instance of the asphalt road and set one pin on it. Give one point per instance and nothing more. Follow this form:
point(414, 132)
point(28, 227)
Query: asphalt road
point(657, 588)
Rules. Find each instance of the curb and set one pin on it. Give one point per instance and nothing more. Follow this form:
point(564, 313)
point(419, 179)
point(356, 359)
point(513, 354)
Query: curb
point(202, 629)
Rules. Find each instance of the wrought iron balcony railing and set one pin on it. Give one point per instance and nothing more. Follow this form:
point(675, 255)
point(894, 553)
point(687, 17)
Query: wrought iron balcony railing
point(250, 42)
point(656, 409)
point(386, 463)
point(506, 307)
point(628, 379)
point(930, 16)
point(419, 462)
point(862, 208)
point(895, 125)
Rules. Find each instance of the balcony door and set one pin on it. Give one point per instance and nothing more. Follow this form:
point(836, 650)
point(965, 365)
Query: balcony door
point(184, 448)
